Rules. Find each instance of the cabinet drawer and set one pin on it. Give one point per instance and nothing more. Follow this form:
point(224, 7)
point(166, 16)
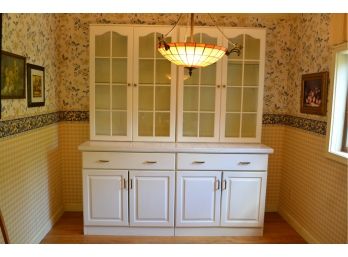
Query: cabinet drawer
point(187, 161)
point(129, 161)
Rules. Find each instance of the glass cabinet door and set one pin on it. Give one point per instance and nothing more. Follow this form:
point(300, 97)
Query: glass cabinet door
point(110, 83)
point(242, 87)
point(199, 96)
point(154, 88)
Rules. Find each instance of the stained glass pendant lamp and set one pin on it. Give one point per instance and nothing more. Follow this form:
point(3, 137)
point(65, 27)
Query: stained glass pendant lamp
point(193, 55)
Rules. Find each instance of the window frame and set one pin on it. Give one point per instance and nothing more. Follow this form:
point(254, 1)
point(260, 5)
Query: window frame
point(335, 127)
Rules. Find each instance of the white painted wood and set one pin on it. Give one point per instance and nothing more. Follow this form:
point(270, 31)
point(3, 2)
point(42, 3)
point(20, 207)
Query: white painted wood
point(143, 31)
point(123, 160)
point(258, 33)
point(193, 161)
point(99, 30)
point(105, 198)
point(157, 147)
point(243, 200)
point(198, 198)
point(151, 198)
point(128, 231)
point(218, 231)
point(183, 34)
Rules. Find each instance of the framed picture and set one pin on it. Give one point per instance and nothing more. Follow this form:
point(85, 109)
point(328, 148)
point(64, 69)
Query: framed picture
point(36, 85)
point(0, 57)
point(314, 93)
point(12, 76)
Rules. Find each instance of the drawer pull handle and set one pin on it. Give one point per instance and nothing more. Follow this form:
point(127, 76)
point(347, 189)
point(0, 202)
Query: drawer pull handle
point(243, 163)
point(150, 162)
point(198, 162)
point(103, 161)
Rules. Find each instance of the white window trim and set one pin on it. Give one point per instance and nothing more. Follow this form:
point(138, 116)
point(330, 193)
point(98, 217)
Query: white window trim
point(334, 149)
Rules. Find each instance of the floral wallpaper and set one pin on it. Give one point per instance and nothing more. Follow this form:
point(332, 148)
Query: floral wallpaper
point(32, 36)
point(73, 51)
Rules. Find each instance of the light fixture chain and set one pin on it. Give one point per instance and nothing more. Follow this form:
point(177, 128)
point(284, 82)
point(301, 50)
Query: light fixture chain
point(176, 23)
point(229, 41)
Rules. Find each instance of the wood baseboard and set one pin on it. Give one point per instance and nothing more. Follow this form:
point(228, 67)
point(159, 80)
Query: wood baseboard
point(306, 235)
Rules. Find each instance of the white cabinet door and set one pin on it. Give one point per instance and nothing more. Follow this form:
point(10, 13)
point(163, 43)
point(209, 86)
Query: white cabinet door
point(154, 87)
point(151, 198)
point(242, 86)
point(199, 95)
point(243, 199)
point(198, 198)
point(105, 197)
point(111, 51)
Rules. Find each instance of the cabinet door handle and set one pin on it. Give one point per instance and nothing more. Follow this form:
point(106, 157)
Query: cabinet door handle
point(224, 184)
point(135, 85)
point(103, 161)
point(130, 183)
point(224, 86)
point(217, 184)
point(150, 162)
point(124, 183)
point(198, 162)
point(218, 86)
point(243, 163)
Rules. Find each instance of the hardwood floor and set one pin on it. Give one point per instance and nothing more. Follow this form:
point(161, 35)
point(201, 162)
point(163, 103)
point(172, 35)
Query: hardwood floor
point(69, 230)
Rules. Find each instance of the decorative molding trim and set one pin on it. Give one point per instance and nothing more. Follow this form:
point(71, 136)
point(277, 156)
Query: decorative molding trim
point(315, 126)
point(73, 116)
point(16, 126)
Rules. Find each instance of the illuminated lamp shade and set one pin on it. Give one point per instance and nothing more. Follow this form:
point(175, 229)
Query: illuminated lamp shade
point(192, 55)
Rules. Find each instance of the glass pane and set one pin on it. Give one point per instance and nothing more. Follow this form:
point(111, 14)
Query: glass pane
point(248, 125)
point(119, 70)
point(168, 40)
point(162, 124)
point(207, 101)
point(236, 40)
point(145, 98)
point(206, 124)
point(145, 124)
point(251, 74)
point(102, 45)
point(102, 96)
point(190, 125)
point(102, 123)
point(119, 45)
point(102, 70)
point(193, 79)
point(191, 98)
point(146, 46)
point(208, 75)
point(163, 72)
point(232, 125)
point(208, 39)
point(234, 74)
point(119, 123)
point(162, 102)
point(146, 71)
point(252, 48)
point(250, 100)
point(233, 99)
point(119, 97)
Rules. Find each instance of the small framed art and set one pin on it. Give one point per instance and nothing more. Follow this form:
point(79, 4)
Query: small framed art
point(35, 85)
point(12, 76)
point(314, 93)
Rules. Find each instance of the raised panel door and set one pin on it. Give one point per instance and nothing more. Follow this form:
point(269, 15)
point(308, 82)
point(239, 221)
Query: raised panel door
point(243, 199)
point(151, 198)
point(198, 198)
point(105, 197)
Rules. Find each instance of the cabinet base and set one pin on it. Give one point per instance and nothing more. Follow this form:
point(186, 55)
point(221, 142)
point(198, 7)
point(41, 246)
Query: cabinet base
point(128, 231)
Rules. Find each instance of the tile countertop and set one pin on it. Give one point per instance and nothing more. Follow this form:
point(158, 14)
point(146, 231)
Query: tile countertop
point(156, 147)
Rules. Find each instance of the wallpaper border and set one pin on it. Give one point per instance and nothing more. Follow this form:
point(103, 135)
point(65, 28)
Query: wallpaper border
point(16, 126)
